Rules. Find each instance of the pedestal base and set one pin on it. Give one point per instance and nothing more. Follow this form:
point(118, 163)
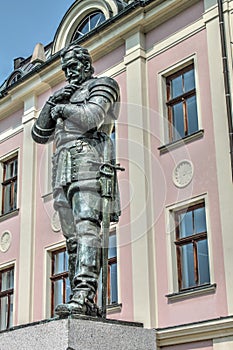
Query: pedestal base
point(79, 333)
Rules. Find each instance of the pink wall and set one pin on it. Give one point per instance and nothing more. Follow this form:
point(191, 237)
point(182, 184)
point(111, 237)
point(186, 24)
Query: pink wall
point(11, 122)
point(202, 155)
point(109, 60)
point(174, 24)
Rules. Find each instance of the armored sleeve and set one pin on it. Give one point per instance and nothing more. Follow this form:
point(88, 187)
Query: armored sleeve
point(44, 126)
point(94, 112)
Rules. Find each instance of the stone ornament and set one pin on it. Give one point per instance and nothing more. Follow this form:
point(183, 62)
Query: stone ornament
point(183, 173)
point(55, 222)
point(5, 241)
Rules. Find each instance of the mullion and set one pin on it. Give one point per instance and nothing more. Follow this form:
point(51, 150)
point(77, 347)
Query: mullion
point(180, 98)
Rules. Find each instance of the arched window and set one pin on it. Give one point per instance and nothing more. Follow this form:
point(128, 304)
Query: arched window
point(89, 23)
point(14, 77)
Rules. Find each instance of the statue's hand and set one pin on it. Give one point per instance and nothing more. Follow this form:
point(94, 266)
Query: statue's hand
point(57, 112)
point(64, 94)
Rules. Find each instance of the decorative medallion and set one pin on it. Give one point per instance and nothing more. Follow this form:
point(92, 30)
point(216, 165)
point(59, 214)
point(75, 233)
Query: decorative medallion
point(5, 241)
point(55, 222)
point(183, 173)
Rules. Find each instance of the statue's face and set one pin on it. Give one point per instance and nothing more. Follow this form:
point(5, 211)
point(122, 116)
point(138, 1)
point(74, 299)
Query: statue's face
point(75, 71)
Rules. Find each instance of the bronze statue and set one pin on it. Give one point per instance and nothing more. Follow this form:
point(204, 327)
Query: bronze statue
point(80, 118)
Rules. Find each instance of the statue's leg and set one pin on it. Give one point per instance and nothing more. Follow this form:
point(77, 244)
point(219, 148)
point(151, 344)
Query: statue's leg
point(86, 212)
point(68, 230)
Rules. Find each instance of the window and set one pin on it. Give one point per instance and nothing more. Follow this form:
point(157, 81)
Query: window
point(6, 298)
point(112, 269)
point(89, 23)
point(192, 247)
point(9, 185)
point(14, 78)
point(181, 103)
point(60, 285)
point(59, 279)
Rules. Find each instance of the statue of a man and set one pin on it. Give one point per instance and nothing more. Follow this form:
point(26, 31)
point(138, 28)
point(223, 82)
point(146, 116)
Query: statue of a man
point(80, 118)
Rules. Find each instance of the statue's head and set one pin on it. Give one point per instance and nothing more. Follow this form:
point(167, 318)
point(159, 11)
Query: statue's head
point(77, 64)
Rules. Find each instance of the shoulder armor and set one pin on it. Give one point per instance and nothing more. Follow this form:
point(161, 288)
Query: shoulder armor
point(105, 86)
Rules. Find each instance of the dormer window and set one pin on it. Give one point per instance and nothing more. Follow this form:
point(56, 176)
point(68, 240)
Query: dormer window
point(14, 77)
point(89, 23)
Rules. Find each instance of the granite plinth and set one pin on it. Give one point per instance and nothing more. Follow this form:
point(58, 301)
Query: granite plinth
point(78, 334)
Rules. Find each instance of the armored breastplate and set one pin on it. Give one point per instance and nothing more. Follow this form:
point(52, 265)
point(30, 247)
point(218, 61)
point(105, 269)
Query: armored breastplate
point(81, 94)
point(66, 130)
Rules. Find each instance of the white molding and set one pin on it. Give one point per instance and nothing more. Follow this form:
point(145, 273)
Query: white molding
point(10, 133)
point(75, 15)
point(170, 237)
point(206, 330)
point(175, 39)
point(162, 75)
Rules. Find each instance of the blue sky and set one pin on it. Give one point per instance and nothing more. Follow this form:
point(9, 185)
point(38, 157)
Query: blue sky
point(25, 23)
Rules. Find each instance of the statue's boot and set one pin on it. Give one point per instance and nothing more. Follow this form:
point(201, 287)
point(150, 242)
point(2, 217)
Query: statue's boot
point(81, 303)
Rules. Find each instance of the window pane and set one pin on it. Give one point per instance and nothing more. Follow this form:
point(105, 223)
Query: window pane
point(7, 280)
point(187, 264)
point(189, 81)
point(96, 19)
point(176, 87)
point(15, 167)
point(199, 220)
point(59, 263)
point(7, 199)
point(192, 114)
point(203, 262)
point(89, 23)
point(178, 121)
point(113, 276)
point(11, 310)
point(84, 28)
point(186, 224)
point(68, 289)
point(58, 292)
point(112, 252)
point(3, 312)
point(15, 195)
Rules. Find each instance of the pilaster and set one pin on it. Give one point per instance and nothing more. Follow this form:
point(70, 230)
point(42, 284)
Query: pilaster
point(222, 149)
point(140, 181)
point(27, 231)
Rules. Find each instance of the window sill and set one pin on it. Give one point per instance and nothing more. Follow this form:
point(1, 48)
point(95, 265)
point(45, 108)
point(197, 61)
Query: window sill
point(199, 291)
point(179, 143)
point(9, 215)
point(114, 308)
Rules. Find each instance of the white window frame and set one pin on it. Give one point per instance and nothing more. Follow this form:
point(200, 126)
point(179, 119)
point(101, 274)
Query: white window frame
point(5, 266)
point(47, 273)
point(170, 211)
point(162, 98)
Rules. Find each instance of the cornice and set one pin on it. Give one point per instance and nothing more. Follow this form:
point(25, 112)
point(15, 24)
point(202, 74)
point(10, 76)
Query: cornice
point(139, 16)
point(205, 330)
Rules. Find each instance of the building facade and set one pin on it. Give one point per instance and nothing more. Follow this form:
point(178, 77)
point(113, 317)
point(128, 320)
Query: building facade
point(170, 262)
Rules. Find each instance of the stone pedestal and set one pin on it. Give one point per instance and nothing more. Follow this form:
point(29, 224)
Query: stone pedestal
point(79, 334)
